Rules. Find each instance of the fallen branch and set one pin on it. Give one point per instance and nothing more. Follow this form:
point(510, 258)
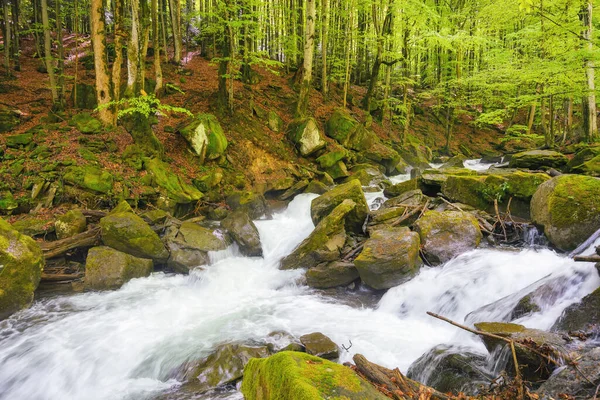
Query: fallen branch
point(594, 258)
point(57, 248)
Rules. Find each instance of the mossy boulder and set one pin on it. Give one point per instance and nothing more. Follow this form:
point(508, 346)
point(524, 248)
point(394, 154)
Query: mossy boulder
point(401, 188)
point(324, 204)
point(385, 156)
point(89, 177)
point(173, 186)
point(340, 126)
point(107, 268)
point(319, 345)
point(252, 203)
point(445, 235)
point(32, 226)
point(516, 143)
point(69, 224)
point(305, 135)
point(455, 162)
point(202, 238)
point(244, 232)
point(537, 159)
point(416, 154)
point(126, 232)
point(316, 187)
point(21, 264)
point(8, 203)
point(9, 119)
point(582, 316)
point(20, 140)
point(338, 170)
point(139, 126)
point(591, 167)
point(225, 365)
point(294, 375)
point(389, 257)
point(325, 242)
point(368, 175)
point(274, 122)
point(86, 124)
point(205, 136)
point(568, 208)
point(330, 159)
point(331, 274)
point(581, 157)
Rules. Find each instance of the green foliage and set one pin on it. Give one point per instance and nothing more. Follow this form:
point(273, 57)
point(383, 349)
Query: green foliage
point(145, 105)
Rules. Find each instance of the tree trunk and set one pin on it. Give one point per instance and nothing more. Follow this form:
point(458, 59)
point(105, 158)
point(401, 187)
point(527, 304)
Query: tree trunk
point(6, 35)
point(133, 51)
point(15, 16)
point(324, 38)
point(103, 93)
point(156, 44)
point(176, 25)
point(591, 132)
point(61, 56)
point(48, 52)
point(118, 63)
point(309, 48)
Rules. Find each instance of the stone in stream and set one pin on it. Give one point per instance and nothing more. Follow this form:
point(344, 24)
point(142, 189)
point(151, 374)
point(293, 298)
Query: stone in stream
point(21, 264)
point(184, 258)
point(389, 257)
point(201, 238)
point(450, 370)
point(304, 133)
point(332, 274)
point(252, 203)
point(224, 366)
point(455, 162)
point(293, 375)
point(126, 232)
point(445, 235)
point(537, 159)
point(568, 208)
point(324, 205)
point(70, 224)
point(244, 232)
point(400, 188)
point(319, 345)
point(107, 268)
point(533, 367)
point(324, 243)
point(581, 316)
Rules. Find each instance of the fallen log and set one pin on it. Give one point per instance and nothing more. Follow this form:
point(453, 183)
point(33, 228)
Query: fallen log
point(61, 277)
point(57, 248)
point(594, 258)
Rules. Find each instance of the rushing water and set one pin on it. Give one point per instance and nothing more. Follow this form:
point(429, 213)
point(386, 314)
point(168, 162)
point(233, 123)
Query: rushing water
point(124, 344)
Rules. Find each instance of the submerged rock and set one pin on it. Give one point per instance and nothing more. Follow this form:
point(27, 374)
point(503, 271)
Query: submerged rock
point(128, 233)
point(455, 162)
point(184, 258)
point(581, 316)
point(21, 264)
point(244, 232)
point(319, 345)
point(293, 375)
point(304, 133)
point(325, 242)
point(324, 204)
point(69, 224)
point(568, 208)
point(537, 159)
point(445, 235)
point(332, 274)
point(205, 136)
point(107, 268)
point(389, 257)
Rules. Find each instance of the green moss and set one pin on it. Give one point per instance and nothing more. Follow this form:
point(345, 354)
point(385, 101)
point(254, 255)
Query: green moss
point(499, 328)
point(330, 159)
point(340, 125)
point(90, 178)
point(21, 140)
point(574, 201)
point(7, 201)
point(324, 204)
point(206, 137)
point(175, 187)
point(85, 123)
point(293, 375)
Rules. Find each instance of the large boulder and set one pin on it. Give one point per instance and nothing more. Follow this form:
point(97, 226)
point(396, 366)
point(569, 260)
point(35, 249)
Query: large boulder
point(205, 136)
point(581, 157)
point(389, 257)
point(90, 178)
point(9, 119)
point(319, 345)
point(225, 365)
point(568, 208)
point(244, 232)
point(305, 135)
point(171, 184)
point(254, 204)
point(202, 238)
point(445, 235)
point(294, 375)
point(581, 316)
point(536, 159)
point(128, 233)
point(331, 274)
point(325, 242)
point(69, 224)
point(590, 167)
point(86, 124)
point(455, 162)
point(324, 204)
point(21, 264)
point(184, 258)
point(107, 268)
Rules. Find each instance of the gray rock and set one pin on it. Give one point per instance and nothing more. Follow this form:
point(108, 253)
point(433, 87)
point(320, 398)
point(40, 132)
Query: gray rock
point(319, 345)
point(107, 268)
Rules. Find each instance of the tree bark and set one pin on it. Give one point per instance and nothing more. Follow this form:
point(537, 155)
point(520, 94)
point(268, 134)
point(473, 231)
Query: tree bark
point(6, 35)
point(133, 51)
point(48, 52)
point(590, 100)
point(176, 25)
point(324, 44)
point(103, 92)
point(309, 48)
point(156, 44)
point(118, 63)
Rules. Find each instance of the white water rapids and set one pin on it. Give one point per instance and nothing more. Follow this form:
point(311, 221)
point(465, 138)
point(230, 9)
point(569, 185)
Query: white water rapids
point(124, 344)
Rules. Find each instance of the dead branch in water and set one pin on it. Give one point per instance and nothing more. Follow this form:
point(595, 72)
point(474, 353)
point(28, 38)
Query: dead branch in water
point(57, 248)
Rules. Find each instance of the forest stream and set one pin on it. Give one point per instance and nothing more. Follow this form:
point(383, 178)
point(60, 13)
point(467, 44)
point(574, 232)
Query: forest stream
point(126, 344)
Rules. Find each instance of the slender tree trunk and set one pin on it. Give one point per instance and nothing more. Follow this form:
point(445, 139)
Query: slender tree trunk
point(76, 35)
point(61, 55)
point(156, 44)
point(176, 25)
point(324, 38)
point(592, 126)
point(6, 35)
point(103, 93)
point(48, 52)
point(118, 63)
point(16, 46)
point(349, 37)
point(309, 48)
point(133, 51)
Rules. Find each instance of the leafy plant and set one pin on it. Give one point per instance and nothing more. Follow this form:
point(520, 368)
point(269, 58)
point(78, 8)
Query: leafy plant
point(145, 105)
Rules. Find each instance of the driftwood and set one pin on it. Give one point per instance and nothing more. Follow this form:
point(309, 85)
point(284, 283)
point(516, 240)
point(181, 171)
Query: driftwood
point(57, 248)
point(593, 258)
point(61, 277)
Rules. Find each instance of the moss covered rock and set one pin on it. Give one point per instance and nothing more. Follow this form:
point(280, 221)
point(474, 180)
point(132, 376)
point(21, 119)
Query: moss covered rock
point(305, 135)
point(340, 126)
point(205, 136)
point(19, 141)
point(90, 178)
point(590, 167)
point(389, 257)
point(338, 170)
point(293, 375)
point(568, 208)
point(455, 162)
point(325, 242)
point(319, 345)
point(7, 202)
point(316, 187)
point(128, 233)
point(69, 224)
point(331, 274)
point(328, 160)
point(32, 225)
point(445, 235)
point(385, 156)
point(9, 119)
point(244, 232)
point(254, 204)
point(139, 126)
point(324, 204)
point(274, 122)
point(401, 188)
point(86, 124)
point(107, 268)
point(537, 159)
point(173, 186)
point(21, 264)
point(202, 238)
